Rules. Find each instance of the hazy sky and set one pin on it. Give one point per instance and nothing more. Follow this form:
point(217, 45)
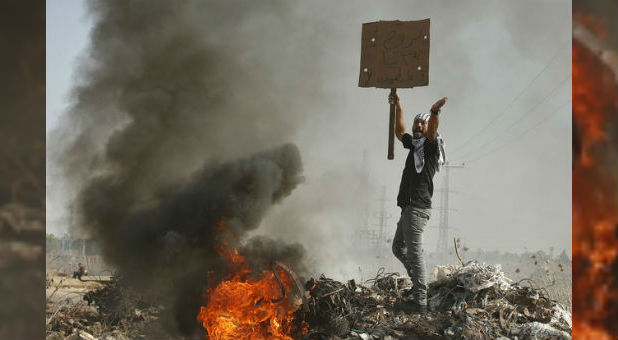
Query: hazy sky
point(505, 66)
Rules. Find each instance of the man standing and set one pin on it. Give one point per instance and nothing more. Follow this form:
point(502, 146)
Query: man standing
point(415, 191)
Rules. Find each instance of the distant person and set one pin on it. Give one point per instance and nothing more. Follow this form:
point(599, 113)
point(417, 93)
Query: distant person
point(426, 156)
point(81, 271)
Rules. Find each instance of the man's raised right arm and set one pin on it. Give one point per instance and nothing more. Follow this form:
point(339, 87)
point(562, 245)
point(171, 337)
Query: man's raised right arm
point(400, 127)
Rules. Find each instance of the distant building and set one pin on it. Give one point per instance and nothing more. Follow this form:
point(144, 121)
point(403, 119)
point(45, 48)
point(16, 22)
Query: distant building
point(65, 243)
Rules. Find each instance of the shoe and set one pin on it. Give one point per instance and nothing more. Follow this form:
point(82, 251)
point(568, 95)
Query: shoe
point(410, 307)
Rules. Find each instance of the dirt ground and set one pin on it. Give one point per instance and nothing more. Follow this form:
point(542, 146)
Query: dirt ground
point(62, 289)
point(70, 316)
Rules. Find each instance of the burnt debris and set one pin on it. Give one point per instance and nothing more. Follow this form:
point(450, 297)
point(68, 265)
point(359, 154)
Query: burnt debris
point(475, 301)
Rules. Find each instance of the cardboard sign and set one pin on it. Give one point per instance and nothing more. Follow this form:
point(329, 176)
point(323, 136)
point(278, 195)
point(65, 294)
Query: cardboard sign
point(395, 54)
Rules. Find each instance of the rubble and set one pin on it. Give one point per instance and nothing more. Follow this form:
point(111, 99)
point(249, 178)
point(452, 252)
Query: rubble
point(109, 312)
point(473, 301)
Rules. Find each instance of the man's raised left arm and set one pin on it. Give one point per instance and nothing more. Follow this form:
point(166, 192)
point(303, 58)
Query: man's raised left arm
point(434, 119)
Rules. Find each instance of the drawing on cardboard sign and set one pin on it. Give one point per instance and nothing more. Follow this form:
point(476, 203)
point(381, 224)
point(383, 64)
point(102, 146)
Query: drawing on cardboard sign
point(395, 54)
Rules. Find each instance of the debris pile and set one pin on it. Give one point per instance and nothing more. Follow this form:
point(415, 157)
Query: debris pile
point(109, 312)
point(474, 301)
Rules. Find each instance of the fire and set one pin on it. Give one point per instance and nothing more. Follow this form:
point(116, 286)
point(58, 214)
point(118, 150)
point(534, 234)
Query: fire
point(245, 306)
point(595, 101)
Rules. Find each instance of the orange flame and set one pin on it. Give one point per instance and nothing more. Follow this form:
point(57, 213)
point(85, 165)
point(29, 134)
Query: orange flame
point(595, 100)
point(248, 307)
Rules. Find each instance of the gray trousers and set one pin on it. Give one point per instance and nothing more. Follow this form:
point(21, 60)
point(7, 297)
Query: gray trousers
point(408, 248)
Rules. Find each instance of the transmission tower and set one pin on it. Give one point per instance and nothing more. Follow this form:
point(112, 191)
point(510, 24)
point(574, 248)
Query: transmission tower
point(365, 191)
point(366, 236)
point(443, 238)
point(383, 217)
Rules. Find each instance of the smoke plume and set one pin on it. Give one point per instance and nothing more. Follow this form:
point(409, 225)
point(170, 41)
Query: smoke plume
point(165, 139)
point(166, 246)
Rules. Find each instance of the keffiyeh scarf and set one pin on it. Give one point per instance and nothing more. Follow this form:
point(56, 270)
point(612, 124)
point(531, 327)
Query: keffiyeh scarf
point(419, 147)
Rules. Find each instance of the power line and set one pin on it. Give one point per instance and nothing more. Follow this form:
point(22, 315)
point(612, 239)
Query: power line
point(517, 121)
point(522, 134)
point(556, 54)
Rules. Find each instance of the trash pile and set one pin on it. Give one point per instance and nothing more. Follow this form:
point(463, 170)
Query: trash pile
point(109, 312)
point(474, 301)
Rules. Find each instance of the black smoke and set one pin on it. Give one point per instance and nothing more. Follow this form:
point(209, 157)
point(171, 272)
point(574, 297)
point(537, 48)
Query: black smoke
point(165, 139)
point(156, 233)
point(165, 247)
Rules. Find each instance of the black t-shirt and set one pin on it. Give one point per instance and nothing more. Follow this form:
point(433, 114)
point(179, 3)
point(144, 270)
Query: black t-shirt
point(416, 189)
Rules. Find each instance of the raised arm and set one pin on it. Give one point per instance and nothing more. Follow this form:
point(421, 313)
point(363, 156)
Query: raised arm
point(400, 127)
point(434, 119)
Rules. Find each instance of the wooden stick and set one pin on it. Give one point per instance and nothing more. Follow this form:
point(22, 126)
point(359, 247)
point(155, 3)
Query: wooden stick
point(391, 129)
point(457, 252)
